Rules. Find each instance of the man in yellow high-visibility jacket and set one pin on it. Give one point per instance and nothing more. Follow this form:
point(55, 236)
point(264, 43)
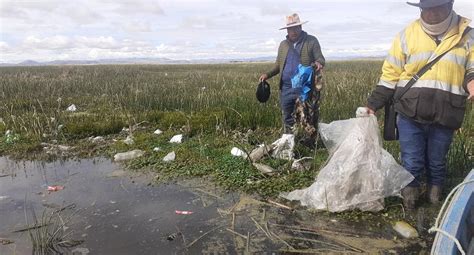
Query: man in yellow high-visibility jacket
point(430, 111)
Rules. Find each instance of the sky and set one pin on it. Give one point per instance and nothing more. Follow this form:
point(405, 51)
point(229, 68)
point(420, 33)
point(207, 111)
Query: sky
point(46, 30)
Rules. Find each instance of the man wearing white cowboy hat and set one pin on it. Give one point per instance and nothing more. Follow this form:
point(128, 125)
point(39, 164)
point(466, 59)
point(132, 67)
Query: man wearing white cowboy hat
point(434, 106)
point(298, 48)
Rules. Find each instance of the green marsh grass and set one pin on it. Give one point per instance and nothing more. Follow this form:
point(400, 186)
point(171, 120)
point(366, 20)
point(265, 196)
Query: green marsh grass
point(213, 105)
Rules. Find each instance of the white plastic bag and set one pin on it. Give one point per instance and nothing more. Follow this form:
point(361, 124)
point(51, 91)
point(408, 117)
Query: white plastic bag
point(176, 139)
point(170, 157)
point(128, 155)
point(283, 147)
point(238, 152)
point(72, 108)
point(359, 173)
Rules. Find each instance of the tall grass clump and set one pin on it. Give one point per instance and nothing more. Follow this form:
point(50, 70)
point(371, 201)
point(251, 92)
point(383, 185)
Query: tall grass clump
point(48, 234)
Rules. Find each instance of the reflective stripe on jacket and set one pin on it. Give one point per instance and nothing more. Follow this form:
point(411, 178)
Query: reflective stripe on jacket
point(439, 96)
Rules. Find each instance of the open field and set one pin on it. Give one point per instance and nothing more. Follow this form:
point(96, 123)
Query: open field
point(214, 106)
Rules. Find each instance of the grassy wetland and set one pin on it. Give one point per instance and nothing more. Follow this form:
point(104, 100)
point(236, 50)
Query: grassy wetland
point(214, 106)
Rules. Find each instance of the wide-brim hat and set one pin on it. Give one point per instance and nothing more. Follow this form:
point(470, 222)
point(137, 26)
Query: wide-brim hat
point(430, 3)
point(292, 21)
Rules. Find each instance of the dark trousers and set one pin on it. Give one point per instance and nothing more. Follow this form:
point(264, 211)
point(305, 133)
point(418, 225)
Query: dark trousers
point(424, 147)
point(304, 114)
point(288, 98)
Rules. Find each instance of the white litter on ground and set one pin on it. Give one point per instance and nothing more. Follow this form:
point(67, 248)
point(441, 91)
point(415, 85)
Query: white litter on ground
point(128, 155)
point(129, 140)
point(359, 173)
point(238, 152)
point(170, 157)
point(177, 139)
point(283, 147)
point(71, 108)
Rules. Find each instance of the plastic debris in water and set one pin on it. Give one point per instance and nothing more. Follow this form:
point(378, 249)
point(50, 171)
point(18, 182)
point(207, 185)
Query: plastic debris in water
point(128, 155)
point(81, 251)
point(55, 188)
point(183, 212)
point(405, 229)
point(173, 236)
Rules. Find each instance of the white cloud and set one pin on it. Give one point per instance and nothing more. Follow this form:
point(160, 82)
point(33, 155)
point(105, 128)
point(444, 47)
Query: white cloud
point(28, 6)
point(188, 29)
point(271, 43)
point(82, 14)
point(196, 22)
point(100, 42)
point(136, 27)
point(139, 6)
point(50, 43)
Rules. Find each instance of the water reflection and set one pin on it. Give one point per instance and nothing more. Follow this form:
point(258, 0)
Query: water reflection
point(114, 213)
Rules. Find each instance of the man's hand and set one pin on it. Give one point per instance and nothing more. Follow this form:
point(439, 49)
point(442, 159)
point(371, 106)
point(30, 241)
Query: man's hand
point(317, 66)
point(364, 111)
point(263, 77)
point(470, 89)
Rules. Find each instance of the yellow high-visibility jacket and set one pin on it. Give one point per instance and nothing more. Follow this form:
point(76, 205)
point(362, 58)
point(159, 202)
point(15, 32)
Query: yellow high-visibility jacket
point(439, 96)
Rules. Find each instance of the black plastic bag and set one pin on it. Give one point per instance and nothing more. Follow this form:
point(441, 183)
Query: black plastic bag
point(263, 92)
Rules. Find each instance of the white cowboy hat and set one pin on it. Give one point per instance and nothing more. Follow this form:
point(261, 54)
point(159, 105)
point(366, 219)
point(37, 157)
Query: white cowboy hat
point(292, 21)
point(430, 3)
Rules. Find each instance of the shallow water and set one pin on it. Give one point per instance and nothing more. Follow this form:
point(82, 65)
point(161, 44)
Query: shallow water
point(113, 215)
point(120, 212)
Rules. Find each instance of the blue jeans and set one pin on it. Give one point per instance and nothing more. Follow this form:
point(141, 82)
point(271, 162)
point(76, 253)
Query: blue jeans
point(424, 147)
point(288, 98)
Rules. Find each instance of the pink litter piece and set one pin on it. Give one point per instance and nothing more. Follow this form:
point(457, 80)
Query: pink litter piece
point(55, 188)
point(183, 212)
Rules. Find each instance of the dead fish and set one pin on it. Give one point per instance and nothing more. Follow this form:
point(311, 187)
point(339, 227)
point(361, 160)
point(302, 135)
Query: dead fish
point(51, 205)
point(405, 229)
point(264, 169)
point(302, 164)
point(173, 236)
point(6, 241)
point(260, 152)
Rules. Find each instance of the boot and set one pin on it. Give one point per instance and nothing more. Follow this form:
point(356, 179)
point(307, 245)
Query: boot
point(410, 196)
point(434, 194)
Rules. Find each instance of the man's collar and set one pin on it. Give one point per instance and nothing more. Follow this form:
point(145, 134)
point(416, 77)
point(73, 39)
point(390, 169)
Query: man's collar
point(300, 38)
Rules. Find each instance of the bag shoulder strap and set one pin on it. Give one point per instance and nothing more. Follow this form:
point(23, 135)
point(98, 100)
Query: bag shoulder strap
point(425, 68)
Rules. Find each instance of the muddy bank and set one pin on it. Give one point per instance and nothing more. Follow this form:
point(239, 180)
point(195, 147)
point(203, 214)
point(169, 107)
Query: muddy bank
point(106, 210)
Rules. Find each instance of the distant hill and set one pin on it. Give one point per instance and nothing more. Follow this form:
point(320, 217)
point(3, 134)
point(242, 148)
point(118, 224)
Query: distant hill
point(123, 61)
point(29, 63)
